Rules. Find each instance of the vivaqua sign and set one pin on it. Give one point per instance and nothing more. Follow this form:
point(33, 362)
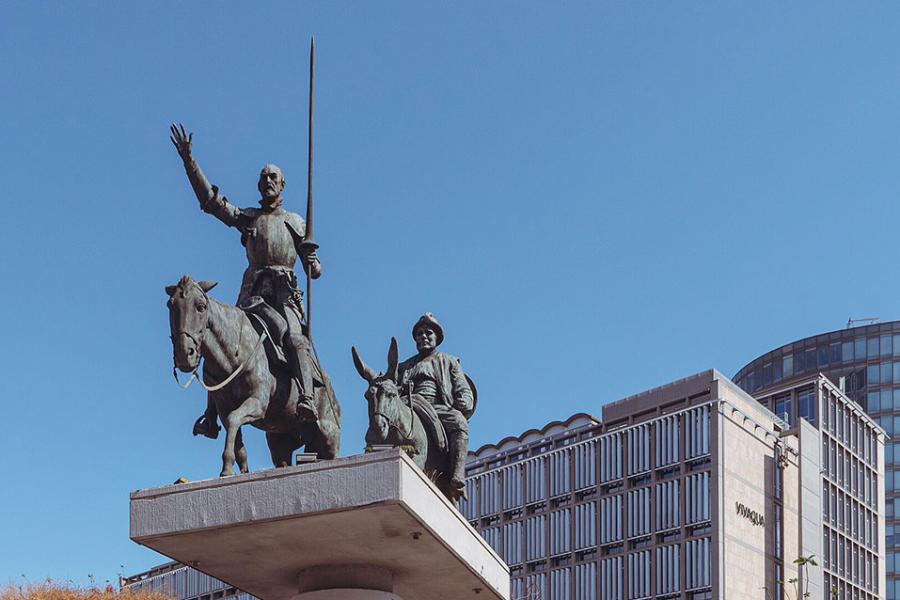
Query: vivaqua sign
point(751, 515)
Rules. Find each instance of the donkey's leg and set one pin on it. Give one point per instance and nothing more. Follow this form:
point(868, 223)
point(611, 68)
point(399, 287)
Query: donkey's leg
point(249, 410)
point(240, 452)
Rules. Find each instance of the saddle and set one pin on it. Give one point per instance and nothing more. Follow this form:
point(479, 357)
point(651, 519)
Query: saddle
point(432, 423)
point(430, 420)
point(266, 319)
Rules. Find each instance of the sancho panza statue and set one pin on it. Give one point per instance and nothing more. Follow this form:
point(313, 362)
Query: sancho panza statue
point(439, 379)
point(271, 236)
point(423, 405)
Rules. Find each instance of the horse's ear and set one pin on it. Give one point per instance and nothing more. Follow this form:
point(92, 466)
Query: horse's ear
point(207, 285)
point(392, 361)
point(170, 289)
point(362, 368)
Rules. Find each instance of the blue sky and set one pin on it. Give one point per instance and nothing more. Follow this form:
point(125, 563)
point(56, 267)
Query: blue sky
point(594, 198)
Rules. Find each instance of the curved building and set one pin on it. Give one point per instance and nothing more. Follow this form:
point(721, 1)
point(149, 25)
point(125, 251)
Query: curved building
point(865, 362)
point(868, 358)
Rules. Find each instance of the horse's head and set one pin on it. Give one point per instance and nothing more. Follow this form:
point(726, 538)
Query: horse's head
point(188, 315)
point(383, 394)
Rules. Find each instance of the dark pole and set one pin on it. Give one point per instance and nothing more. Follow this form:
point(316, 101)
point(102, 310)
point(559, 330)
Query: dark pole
point(309, 243)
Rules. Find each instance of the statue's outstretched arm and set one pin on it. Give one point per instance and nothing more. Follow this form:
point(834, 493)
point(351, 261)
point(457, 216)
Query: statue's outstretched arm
point(208, 195)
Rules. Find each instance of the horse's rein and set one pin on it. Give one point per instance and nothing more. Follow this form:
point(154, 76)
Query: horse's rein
point(230, 378)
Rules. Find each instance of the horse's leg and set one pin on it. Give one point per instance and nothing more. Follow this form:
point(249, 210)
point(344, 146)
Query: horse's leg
point(249, 410)
point(240, 452)
point(281, 446)
point(327, 441)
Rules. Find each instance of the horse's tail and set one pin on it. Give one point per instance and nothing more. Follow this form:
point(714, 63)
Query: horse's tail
point(330, 400)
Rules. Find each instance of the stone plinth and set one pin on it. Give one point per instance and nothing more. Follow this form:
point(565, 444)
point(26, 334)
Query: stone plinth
point(370, 522)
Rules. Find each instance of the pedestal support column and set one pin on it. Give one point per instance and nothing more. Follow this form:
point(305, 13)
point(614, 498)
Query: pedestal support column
point(346, 582)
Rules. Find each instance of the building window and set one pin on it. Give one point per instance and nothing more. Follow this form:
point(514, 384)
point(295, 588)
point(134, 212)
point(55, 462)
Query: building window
point(847, 351)
point(783, 407)
point(873, 374)
point(806, 401)
point(787, 365)
point(872, 347)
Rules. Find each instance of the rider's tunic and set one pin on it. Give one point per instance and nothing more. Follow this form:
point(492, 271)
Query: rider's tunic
point(439, 379)
point(271, 254)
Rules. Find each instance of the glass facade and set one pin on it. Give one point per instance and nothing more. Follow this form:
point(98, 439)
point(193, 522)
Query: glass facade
point(868, 360)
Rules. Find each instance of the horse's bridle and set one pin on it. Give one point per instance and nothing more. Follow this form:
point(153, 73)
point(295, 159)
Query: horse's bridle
point(190, 336)
point(404, 435)
point(230, 378)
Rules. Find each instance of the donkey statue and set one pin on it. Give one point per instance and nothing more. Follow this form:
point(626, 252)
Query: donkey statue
point(407, 421)
point(245, 386)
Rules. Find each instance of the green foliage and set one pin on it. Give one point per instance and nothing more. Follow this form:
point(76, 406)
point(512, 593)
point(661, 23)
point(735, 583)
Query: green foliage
point(804, 563)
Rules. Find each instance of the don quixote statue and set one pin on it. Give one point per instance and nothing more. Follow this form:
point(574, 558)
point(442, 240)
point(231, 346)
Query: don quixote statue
point(260, 367)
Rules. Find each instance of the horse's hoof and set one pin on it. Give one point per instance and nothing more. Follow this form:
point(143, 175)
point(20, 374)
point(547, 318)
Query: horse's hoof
point(226, 473)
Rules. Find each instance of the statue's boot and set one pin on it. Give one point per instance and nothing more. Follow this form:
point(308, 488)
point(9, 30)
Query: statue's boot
point(206, 425)
point(303, 375)
point(459, 448)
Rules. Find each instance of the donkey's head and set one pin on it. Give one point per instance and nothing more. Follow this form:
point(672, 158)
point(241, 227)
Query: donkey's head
point(383, 395)
point(188, 316)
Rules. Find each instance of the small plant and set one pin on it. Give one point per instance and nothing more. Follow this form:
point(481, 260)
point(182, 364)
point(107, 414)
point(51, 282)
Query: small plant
point(801, 590)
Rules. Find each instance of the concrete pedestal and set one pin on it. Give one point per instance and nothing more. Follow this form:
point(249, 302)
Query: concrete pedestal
point(368, 527)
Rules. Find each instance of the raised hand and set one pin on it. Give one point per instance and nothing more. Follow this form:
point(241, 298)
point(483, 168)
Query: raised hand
point(182, 141)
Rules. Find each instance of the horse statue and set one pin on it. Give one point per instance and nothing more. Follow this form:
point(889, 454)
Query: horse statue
point(407, 421)
point(245, 385)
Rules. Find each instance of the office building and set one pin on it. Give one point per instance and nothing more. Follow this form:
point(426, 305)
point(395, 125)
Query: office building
point(693, 490)
point(866, 362)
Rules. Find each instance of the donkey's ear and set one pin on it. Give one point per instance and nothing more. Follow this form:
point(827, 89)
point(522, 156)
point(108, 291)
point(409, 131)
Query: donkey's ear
point(170, 289)
point(207, 285)
point(362, 368)
point(392, 361)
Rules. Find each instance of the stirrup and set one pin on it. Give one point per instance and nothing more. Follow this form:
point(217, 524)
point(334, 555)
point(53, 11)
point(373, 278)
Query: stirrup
point(205, 427)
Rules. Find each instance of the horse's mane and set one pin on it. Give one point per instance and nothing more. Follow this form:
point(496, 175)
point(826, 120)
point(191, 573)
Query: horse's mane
point(226, 308)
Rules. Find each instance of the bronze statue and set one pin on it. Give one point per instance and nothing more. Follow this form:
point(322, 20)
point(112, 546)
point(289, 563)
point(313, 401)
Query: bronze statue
point(272, 237)
point(423, 404)
point(272, 304)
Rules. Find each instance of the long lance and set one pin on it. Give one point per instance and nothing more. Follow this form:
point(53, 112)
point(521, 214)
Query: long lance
point(309, 244)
